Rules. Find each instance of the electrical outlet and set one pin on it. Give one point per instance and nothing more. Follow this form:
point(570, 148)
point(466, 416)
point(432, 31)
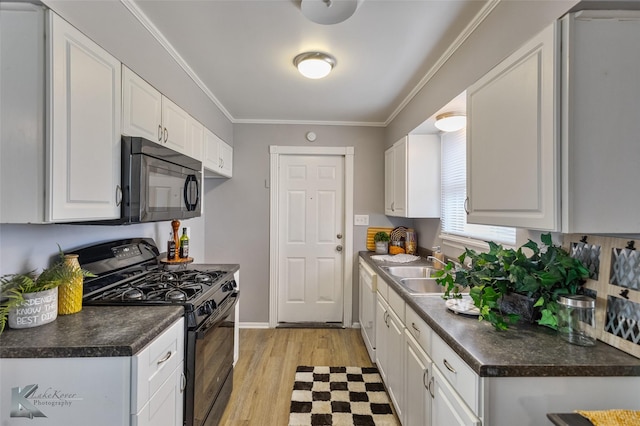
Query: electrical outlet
point(361, 219)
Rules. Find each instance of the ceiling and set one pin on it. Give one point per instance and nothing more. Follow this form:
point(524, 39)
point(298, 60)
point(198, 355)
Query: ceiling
point(241, 51)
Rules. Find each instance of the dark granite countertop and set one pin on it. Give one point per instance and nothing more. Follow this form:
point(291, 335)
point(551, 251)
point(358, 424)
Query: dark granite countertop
point(523, 351)
point(95, 331)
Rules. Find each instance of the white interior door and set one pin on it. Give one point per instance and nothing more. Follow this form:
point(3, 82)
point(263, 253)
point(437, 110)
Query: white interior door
point(310, 241)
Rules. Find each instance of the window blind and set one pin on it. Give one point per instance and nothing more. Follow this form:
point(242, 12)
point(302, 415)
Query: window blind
point(454, 193)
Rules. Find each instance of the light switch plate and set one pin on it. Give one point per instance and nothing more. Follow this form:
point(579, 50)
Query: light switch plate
point(361, 219)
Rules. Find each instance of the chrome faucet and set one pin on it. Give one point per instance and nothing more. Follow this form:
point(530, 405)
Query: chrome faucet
point(435, 259)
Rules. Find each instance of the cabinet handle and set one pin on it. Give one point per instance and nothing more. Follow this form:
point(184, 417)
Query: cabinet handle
point(118, 195)
point(425, 374)
point(386, 318)
point(413, 325)
point(166, 134)
point(430, 388)
point(393, 204)
point(449, 367)
point(183, 382)
point(159, 132)
point(164, 358)
point(466, 205)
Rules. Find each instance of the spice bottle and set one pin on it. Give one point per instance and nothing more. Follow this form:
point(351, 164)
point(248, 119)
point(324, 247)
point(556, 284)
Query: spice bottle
point(171, 247)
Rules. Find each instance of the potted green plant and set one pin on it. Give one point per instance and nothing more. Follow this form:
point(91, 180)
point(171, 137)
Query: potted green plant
point(29, 299)
point(542, 277)
point(382, 242)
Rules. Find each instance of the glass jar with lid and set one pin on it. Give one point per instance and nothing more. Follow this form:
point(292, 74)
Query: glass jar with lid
point(576, 319)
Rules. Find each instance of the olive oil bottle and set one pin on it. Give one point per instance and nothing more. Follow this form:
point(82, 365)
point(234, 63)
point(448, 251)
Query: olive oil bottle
point(184, 244)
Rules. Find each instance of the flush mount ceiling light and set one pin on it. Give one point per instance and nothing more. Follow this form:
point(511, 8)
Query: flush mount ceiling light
point(314, 64)
point(450, 121)
point(328, 12)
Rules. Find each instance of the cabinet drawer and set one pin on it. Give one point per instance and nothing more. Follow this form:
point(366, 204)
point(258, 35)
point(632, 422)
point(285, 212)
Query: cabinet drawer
point(383, 289)
point(456, 371)
point(397, 303)
point(152, 366)
point(367, 272)
point(418, 329)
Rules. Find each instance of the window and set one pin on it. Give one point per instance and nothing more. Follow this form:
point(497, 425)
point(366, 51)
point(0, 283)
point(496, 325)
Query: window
point(454, 193)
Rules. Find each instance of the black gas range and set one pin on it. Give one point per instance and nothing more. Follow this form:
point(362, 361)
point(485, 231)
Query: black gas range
point(129, 272)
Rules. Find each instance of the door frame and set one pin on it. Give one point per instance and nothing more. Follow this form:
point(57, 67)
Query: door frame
point(275, 151)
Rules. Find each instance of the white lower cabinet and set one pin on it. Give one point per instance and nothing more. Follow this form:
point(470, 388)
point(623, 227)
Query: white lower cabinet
point(417, 379)
point(448, 408)
point(158, 381)
point(367, 280)
point(390, 337)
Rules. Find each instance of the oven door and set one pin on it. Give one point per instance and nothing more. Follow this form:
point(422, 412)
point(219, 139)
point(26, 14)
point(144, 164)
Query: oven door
point(210, 368)
point(166, 191)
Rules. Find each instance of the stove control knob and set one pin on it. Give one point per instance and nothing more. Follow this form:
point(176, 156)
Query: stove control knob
point(206, 308)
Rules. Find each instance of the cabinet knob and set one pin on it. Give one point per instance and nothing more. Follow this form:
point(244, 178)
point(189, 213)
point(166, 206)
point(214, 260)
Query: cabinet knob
point(339, 248)
point(339, 236)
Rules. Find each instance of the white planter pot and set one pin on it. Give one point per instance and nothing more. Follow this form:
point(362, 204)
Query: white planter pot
point(38, 308)
point(382, 247)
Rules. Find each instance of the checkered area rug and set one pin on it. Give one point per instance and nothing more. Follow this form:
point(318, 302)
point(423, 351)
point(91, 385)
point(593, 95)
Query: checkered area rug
point(340, 396)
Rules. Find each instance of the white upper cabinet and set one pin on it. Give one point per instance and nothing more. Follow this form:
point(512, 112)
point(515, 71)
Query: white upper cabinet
point(552, 133)
point(84, 140)
point(141, 107)
point(512, 159)
point(218, 156)
point(412, 177)
point(147, 113)
point(196, 139)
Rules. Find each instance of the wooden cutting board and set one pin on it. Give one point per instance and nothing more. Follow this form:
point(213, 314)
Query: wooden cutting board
point(371, 245)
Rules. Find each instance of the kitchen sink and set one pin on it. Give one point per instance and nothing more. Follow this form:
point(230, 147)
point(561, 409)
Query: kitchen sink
point(424, 286)
point(410, 271)
point(421, 285)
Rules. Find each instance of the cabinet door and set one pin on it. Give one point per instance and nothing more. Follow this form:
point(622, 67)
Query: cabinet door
point(226, 159)
point(175, 122)
point(211, 160)
point(84, 145)
point(389, 178)
point(141, 107)
point(196, 139)
point(395, 361)
point(417, 376)
point(382, 348)
point(165, 408)
point(512, 149)
point(367, 309)
point(447, 406)
point(400, 178)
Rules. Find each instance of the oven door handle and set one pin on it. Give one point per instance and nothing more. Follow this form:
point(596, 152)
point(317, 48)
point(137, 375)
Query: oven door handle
point(191, 180)
point(212, 322)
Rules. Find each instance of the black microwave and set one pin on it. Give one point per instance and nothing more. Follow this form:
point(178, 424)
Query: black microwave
point(158, 183)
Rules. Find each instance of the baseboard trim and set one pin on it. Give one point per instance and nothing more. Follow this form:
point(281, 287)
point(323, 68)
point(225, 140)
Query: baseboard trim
point(253, 325)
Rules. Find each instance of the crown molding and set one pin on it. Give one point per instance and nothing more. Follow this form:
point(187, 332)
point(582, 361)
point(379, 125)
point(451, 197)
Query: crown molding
point(155, 32)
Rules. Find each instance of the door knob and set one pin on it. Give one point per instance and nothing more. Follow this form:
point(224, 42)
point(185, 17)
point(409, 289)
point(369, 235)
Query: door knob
point(339, 248)
point(339, 236)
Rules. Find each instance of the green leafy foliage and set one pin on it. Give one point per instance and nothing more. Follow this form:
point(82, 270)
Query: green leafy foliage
point(13, 286)
point(381, 236)
point(543, 275)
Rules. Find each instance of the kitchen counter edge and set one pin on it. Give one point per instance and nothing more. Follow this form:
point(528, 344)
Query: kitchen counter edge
point(95, 331)
point(526, 350)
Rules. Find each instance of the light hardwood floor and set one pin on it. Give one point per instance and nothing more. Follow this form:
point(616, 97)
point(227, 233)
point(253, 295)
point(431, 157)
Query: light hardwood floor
point(263, 376)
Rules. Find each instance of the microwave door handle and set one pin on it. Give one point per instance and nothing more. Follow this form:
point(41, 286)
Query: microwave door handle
point(187, 198)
